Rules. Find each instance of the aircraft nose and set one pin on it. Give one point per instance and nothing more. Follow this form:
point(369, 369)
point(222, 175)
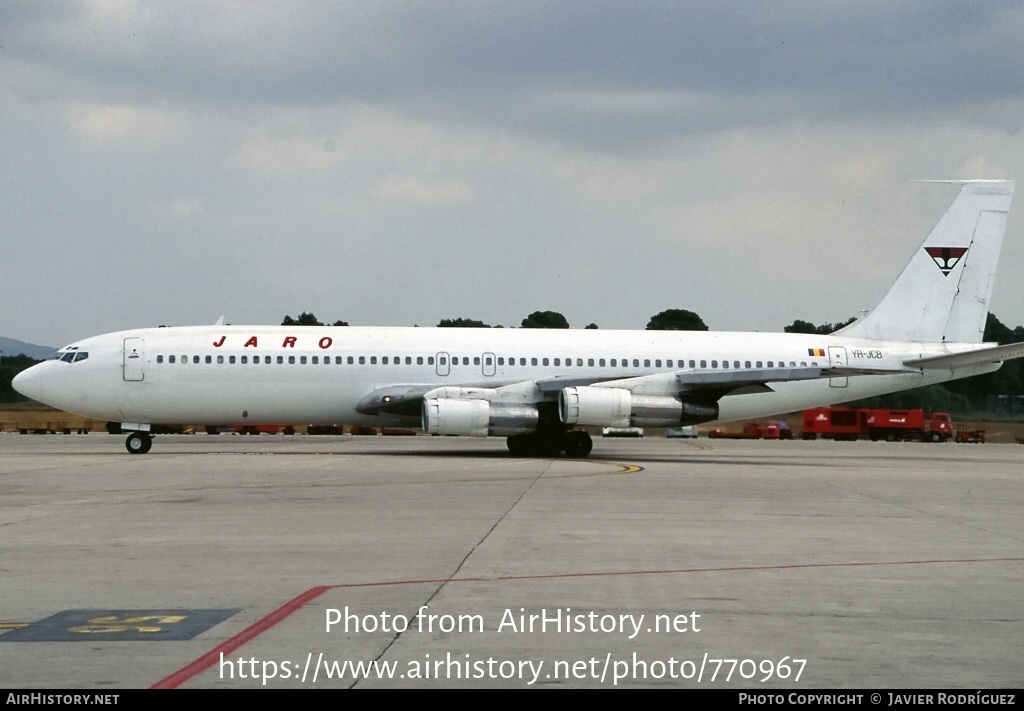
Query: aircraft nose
point(29, 383)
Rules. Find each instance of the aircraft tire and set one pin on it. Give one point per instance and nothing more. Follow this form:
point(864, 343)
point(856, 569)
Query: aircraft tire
point(521, 445)
point(138, 443)
point(578, 444)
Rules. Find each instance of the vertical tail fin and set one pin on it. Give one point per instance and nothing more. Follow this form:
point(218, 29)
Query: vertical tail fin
point(943, 292)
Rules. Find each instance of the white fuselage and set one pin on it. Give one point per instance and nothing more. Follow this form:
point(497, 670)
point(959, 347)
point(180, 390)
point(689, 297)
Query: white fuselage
point(318, 375)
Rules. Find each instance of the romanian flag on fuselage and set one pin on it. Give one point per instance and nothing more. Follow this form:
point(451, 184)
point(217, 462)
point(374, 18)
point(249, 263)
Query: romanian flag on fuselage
point(820, 352)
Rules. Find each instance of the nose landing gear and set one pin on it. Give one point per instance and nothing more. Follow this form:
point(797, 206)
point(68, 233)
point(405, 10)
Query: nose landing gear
point(138, 442)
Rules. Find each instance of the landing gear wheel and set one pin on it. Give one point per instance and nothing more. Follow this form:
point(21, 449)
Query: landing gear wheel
point(521, 445)
point(138, 442)
point(578, 444)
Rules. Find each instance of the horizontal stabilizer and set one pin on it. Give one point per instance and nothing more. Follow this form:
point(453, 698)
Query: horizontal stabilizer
point(981, 356)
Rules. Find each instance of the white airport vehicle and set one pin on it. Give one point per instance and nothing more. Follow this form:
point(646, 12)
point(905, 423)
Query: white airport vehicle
point(535, 386)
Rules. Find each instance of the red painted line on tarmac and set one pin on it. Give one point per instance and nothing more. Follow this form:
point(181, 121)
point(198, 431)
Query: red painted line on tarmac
point(251, 632)
point(260, 626)
point(680, 571)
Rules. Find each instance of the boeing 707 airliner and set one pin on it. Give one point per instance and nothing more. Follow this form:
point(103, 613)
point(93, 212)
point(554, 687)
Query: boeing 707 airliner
point(539, 387)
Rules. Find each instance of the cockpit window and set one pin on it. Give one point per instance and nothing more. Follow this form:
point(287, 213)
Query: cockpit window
point(70, 355)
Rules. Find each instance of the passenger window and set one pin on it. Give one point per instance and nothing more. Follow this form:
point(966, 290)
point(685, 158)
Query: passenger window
point(373, 360)
point(220, 360)
point(601, 362)
point(419, 360)
point(636, 362)
point(590, 362)
point(657, 363)
point(231, 360)
point(430, 360)
point(315, 361)
point(195, 359)
point(159, 359)
point(384, 360)
point(465, 360)
point(725, 363)
point(501, 360)
point(758, 364)
point(545, 361)
point(476, 360)
point(694, 364)
point(668, 364)
point(522, 361)
point(408, 360)
point(302, 360)
point(614, 363)
point(579, 362)
point(350, 360)
point(533, 361)
point(209, 359)
point(362, 360)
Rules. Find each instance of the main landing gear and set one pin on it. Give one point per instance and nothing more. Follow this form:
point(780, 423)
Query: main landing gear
point(138, 442)
point(575, 443)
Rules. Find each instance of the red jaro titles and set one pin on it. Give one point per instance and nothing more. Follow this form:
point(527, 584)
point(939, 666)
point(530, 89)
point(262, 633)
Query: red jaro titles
point(289, 342)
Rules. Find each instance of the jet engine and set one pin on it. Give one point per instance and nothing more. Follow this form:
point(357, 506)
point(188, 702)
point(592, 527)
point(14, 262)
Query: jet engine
point(618, 407)
point(477, 418)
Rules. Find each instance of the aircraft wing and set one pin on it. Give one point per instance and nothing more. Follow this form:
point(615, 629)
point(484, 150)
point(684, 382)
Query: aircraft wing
point(715, 384)
point(980, 356)
point(407, 399)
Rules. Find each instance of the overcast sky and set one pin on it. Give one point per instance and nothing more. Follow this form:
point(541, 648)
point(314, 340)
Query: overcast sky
point(396, 163)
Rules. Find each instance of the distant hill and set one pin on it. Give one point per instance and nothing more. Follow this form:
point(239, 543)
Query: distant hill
point(12, 347)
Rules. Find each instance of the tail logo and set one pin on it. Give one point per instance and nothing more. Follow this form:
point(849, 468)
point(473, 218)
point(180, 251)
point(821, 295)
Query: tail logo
point(946, 258)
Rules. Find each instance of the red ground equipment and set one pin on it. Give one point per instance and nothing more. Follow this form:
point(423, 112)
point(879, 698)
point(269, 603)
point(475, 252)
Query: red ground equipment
point(751, 430)
point(847, 423)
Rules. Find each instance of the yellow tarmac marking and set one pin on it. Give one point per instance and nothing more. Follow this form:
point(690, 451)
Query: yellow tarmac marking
point(13, 625)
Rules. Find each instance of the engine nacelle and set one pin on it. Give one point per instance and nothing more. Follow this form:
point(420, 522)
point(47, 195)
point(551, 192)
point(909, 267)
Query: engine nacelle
point(607, 407)
point(618, 407)
point(477, 418)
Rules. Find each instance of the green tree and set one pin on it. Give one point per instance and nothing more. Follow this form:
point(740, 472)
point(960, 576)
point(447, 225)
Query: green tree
point(676, 320)
point(545, 319)
point(824, 329)
point(461, 323)
point(799, 326)
point(591, 327)
point(305, 319)
point(9, 367)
